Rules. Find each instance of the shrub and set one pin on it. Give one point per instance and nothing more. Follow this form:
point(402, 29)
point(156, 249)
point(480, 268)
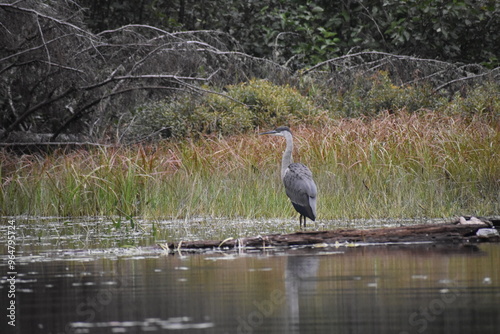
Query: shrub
point(257, 103)
point(161, 119)
point(267, 103)
point(482, 100)
point(377, 92)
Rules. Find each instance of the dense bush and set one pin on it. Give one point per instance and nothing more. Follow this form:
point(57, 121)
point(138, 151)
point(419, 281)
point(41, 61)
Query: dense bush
point(376, 93)
point(371, 95)
point(484, 100)
point(257, 103)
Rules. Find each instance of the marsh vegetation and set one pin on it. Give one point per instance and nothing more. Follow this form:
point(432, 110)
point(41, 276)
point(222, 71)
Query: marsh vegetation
point(171, 120)
point(392, 165)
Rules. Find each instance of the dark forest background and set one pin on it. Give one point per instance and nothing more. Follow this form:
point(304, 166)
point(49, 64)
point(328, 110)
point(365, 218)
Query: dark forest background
point(307, 32)
point(85, 70)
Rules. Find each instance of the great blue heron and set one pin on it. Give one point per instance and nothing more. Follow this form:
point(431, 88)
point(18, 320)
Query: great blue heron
point(297, 178)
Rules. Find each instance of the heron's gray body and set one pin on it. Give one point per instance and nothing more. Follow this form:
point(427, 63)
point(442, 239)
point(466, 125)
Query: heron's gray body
point(297, 179)
point(301, 189)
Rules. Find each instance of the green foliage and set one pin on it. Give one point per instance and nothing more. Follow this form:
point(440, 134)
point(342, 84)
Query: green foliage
point(483, 100)
point(305, 32)
point(376, 93)
point(257, 103)
point(264, 104)
point(445, 29)
point(315, 38)
point(162, 119)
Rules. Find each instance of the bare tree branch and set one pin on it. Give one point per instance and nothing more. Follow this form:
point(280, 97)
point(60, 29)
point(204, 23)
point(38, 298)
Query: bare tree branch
point(384, 54)
point(470, 77)
point(36, 108)
point(50, 18)
point(44, 43)
point(35, 48)
point(54, 143)
point(143, 77)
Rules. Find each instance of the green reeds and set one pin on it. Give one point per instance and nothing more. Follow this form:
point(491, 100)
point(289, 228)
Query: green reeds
point(393, 165)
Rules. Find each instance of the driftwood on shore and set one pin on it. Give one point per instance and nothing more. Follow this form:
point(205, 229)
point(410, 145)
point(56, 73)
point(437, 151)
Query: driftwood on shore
point(469, 231)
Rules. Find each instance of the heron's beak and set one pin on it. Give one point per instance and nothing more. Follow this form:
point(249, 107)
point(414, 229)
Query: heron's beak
point(272, 132)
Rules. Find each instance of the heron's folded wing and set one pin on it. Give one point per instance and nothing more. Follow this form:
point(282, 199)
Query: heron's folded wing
point(299, 184)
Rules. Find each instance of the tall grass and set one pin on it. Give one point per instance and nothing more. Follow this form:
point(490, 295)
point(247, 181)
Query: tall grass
point(392, 165)
point(409, 165)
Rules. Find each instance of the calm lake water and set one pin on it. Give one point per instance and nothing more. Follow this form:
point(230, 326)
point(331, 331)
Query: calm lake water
point(102, 277)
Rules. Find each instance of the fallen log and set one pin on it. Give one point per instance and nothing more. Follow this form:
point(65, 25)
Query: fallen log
point(469, 231)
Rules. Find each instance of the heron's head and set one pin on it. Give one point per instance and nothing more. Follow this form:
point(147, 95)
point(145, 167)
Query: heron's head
point(278, 131)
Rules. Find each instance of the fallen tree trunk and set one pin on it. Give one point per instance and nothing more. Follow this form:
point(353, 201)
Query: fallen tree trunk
point(438, 233)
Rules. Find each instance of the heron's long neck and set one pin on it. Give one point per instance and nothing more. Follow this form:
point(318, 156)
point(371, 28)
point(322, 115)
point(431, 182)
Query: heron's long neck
point(287, 155)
